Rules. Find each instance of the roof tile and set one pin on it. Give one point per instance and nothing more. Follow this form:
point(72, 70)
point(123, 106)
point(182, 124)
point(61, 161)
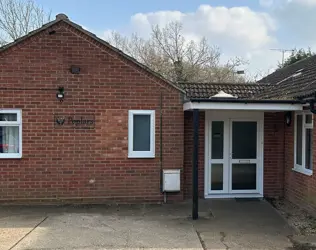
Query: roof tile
point(206, 90)
point(296, 81)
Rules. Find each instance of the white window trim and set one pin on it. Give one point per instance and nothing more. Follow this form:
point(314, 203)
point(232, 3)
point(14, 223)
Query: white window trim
point(141, 154)
point(302, 168)
point(13, 123)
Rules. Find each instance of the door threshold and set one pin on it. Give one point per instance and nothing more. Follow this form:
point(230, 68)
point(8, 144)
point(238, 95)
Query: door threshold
point(229, 196)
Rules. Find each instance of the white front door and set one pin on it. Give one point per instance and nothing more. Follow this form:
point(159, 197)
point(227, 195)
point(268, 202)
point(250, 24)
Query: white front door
point(234, 155)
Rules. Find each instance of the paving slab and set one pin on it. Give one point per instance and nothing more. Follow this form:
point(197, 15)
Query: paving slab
point(74, 231)
point(223, 224)
point(14, 227)
point(243, 225)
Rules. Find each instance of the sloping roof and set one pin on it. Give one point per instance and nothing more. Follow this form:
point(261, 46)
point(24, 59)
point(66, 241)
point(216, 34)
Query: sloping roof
point(206, 90)
point(64, 18)
point(296, 81)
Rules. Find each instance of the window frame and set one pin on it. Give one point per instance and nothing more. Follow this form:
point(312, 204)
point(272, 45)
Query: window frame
point(302, 168)
point(16, 123)
point(141, 154)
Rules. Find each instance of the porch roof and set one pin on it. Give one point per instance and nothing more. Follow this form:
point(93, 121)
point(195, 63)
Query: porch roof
point(294, 83)
point(201, 96)
point(206, 90)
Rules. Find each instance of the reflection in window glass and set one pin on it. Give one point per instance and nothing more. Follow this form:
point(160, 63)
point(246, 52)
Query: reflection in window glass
point(309, 119)
point(141, 133)
point(244, 176)
point(217, 177)
point(308, 149)
point(217, 139)
point(299, 123)
point(244, 140)
point(6, 117)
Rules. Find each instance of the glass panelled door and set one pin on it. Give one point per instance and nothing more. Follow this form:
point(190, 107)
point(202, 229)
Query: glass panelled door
point(244, 156)
point(234, 165)
point(218, 167)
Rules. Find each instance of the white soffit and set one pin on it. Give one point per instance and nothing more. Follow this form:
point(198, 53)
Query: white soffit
point(242, 106)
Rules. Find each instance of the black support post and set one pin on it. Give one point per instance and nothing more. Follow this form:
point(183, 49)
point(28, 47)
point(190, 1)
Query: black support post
point(195, 183)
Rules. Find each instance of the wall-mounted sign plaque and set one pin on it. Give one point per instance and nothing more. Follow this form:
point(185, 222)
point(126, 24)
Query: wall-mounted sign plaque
point(74, 121)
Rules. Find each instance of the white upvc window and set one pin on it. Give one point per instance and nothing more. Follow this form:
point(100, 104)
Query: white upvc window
point(141, 134)
point(303, 143)
point(10, 133)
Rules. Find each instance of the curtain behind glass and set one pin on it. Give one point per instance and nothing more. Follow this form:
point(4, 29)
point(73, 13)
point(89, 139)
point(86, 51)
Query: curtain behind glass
point(9, 139)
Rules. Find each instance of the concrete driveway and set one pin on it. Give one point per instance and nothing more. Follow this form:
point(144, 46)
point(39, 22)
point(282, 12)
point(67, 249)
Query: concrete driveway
point(224, 224)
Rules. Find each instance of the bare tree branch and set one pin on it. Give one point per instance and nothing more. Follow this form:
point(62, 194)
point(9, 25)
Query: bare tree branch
point(176, 58)
point(19, 17)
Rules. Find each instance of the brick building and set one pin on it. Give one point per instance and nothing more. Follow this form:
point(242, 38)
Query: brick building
point(82, 122)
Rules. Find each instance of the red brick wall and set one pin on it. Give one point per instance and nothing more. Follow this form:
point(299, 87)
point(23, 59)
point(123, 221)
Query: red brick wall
point(58, 164)
point(273, 154)
point(188, 153)
point(299, 188)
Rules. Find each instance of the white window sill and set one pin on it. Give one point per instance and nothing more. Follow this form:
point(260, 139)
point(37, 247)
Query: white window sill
point(141, 156)
point(8, 156)
point(303, 171)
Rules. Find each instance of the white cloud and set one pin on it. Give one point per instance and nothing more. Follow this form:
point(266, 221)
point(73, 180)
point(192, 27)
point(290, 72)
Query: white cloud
point(237, 31)
point(252, 29)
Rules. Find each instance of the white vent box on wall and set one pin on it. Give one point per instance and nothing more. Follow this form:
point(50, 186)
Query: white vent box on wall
point(171, 180)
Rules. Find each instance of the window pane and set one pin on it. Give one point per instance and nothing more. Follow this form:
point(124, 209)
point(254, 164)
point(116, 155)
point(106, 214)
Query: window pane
point(244, 140)
point(244, 176)
point(299, 124)
point(141, 135)
point(309, 119)
point(217, 177)
point(9, 139)
point(8, 117)
point(217, 140)
point(309, 149)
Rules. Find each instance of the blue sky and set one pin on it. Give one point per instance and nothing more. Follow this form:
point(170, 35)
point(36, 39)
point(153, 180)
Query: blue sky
point(114, 14)
point(244, 28)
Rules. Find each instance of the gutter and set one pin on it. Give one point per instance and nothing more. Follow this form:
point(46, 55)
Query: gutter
point(248, 101)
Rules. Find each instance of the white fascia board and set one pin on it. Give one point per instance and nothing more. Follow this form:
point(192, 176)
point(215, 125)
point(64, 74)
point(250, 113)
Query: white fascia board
point(242, 106)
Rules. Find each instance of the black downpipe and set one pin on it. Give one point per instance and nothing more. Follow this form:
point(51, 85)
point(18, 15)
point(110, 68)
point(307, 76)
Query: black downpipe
point(161, 165)
point(195, 183)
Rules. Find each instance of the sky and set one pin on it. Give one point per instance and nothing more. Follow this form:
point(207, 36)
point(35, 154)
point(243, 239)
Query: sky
point(248, 29)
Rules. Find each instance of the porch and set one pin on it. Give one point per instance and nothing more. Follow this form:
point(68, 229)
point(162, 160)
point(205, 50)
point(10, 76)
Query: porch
point(240, 152)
